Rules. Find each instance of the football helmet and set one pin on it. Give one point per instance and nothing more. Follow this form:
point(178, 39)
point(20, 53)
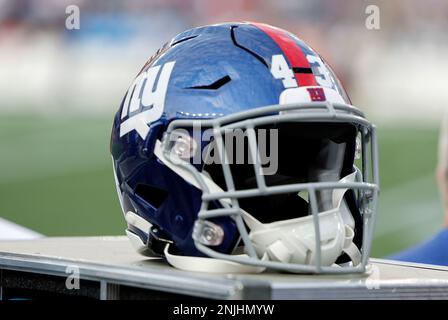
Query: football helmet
point(236, 149)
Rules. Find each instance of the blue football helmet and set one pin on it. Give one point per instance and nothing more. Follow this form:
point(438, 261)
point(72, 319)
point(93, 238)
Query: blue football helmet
point(236, 149)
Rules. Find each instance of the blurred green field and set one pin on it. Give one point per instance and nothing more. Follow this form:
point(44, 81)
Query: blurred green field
point(56, 178)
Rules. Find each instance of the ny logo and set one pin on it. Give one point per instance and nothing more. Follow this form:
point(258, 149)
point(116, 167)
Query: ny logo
point(316, 94)
point(147, 90)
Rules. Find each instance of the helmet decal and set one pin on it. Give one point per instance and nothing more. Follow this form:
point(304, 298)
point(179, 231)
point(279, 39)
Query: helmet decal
point(297, 59)
point(281, 70)
point(323, 77)
point(145, 99)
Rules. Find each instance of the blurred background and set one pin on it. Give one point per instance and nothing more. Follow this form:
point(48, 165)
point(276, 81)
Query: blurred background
point(59, 90)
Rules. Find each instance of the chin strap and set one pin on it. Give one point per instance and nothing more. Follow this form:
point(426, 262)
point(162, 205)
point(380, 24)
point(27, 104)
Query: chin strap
point(350, 249)
point(209, 265)
point(277, 251)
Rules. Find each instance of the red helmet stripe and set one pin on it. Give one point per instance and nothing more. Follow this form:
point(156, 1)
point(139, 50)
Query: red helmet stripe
point(292, 51)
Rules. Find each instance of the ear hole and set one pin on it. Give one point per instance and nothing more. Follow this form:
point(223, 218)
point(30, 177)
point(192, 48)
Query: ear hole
point(154, 196)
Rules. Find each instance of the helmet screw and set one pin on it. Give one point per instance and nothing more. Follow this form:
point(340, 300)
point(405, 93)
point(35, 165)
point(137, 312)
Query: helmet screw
point(211, 234)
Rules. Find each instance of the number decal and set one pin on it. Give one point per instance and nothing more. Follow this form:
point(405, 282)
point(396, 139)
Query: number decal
point(322, 75)
point(143, 93)
point(281, 70)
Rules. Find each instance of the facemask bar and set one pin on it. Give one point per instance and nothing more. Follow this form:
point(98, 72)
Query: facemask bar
point(368, 189)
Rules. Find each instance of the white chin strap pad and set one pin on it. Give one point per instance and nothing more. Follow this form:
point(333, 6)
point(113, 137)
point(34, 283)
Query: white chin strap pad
point(294, 240)
point(209, 265)
point(287, 241)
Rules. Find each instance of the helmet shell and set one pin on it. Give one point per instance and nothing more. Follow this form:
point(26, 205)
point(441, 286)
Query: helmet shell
point(218, 70)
